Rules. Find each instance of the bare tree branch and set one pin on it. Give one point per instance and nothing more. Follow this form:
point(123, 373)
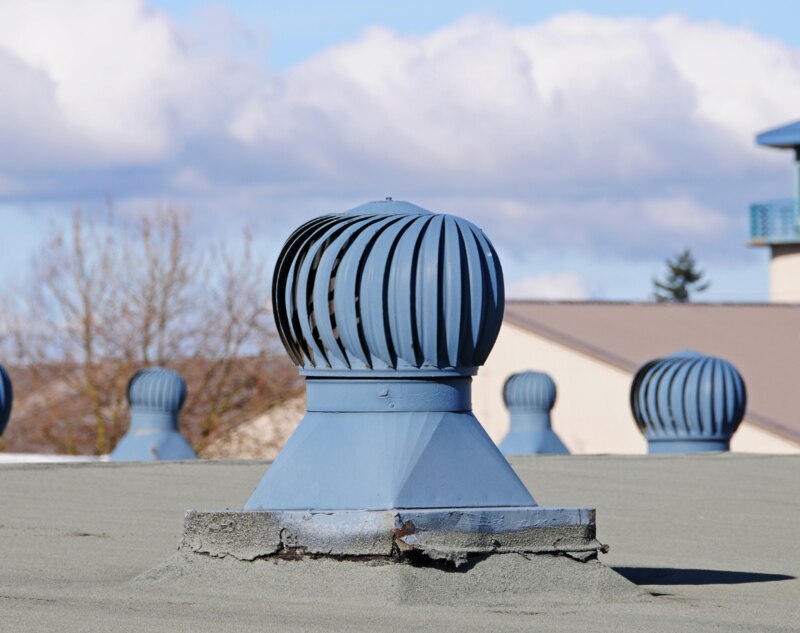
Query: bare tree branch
point(108, 296)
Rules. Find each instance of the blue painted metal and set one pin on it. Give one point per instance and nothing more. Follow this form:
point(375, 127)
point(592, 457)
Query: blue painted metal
point(388, 309)
point(774, 222)
point(388, 289)
point(785, 136)
point(6, 398)
point(155, 395)
point(688, 402)
point(777, 221)
point(529, 396)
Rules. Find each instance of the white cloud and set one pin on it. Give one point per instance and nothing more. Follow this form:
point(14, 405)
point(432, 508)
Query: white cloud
point(189, 179)
point(563, 285)
point(742, 81)
point(110, 68)
point(577, 101)
point(684, 216)
point(109, 82)
point(576, 132)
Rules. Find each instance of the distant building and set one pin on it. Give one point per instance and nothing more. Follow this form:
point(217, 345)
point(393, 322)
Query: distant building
point(593, 349)
point(776, 223)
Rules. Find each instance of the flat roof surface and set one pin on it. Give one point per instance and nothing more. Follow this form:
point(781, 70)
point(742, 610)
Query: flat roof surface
point(762, 340)
point(713, 538)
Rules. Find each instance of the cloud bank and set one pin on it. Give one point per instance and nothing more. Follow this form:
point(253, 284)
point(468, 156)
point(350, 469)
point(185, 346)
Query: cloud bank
point(563, 285)
point(630, 137)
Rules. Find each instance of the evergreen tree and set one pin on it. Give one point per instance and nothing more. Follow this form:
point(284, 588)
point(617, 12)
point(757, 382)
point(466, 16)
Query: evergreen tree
point(682, 278)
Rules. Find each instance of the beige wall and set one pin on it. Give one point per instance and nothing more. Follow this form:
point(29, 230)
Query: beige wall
point(784, 273)
point(752, 439)
point(592, 414)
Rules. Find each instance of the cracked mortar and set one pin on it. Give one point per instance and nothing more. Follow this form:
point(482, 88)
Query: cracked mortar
point(450, 536)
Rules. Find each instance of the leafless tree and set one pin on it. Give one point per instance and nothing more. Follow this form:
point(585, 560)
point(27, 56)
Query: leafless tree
point(108, 296)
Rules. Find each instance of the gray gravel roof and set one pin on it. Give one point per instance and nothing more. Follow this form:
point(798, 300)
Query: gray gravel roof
point(713, 538)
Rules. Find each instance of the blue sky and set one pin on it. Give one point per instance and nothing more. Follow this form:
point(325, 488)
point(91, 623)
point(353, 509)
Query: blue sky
point(299, 29)
point(589, 139)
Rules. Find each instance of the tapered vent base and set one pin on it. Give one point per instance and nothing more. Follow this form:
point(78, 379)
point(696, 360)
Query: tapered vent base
point(382, 460)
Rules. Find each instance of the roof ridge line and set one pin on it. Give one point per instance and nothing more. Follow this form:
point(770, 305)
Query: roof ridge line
point(579, 344)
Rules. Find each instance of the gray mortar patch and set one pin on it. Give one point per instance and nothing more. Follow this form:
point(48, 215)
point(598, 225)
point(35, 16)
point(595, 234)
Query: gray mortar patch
point(439, 535)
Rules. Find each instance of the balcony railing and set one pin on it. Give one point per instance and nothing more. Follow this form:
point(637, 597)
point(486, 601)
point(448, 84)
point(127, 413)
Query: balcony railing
point(774, 222)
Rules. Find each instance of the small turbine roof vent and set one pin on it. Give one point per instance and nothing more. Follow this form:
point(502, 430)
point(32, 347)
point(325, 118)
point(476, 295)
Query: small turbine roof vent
point(157, 389)
point(156, 395)
point(388, 288)
point(530, 390)
point(688, 402)
point(529, 396)
point(6, 398)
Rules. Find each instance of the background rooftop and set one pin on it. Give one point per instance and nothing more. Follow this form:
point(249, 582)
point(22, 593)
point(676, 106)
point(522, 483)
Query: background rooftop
point(762, 340)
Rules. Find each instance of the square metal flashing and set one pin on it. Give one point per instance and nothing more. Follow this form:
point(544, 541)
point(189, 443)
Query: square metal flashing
point(452, 534)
